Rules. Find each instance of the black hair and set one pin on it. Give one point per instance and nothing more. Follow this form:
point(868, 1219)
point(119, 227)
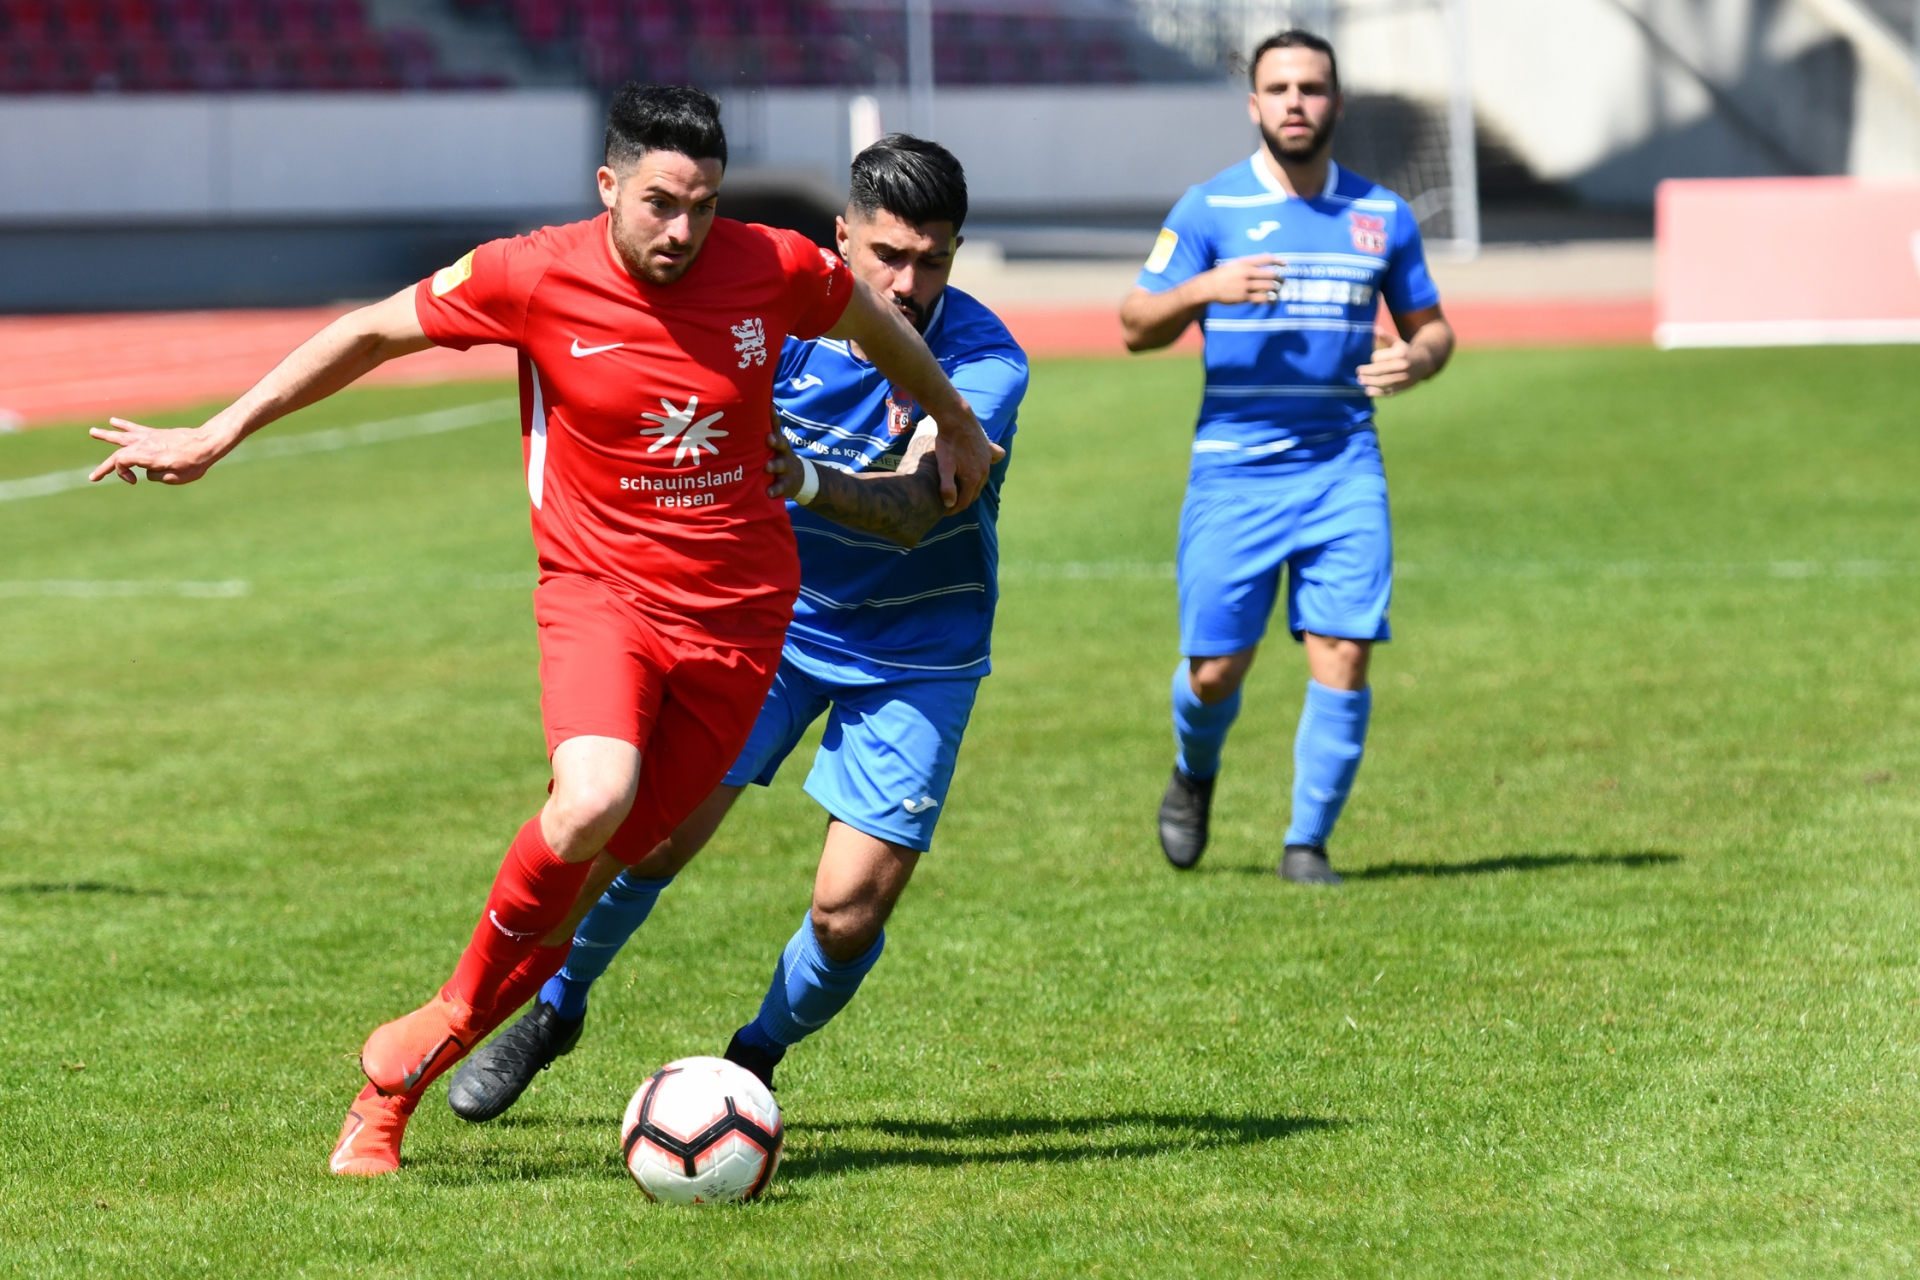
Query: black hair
point(914, 180)
point(663, 117)
point(1297, 38)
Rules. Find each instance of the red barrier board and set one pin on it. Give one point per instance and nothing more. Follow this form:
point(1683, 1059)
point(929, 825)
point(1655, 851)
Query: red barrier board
point(1768, 262)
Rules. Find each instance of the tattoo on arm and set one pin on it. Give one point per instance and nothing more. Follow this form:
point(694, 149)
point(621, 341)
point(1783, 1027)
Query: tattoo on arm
point(900, 506)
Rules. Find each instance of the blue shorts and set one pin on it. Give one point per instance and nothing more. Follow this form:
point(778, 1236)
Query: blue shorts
point(886, 761)
point(1325, 525)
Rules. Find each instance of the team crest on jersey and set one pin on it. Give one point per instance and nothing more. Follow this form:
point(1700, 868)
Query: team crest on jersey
point(899, 416)
point(1369, 232)
point(750, 342)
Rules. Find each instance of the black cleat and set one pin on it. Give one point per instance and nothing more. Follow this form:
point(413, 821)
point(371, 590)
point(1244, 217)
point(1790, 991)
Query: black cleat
point(1183, 818)
point(756, 1060)
point(1307, 864)
point(494, 1077)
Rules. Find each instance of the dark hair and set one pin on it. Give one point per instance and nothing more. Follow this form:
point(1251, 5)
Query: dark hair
point(1296, 38)
point(663, 117)
point(914, 180)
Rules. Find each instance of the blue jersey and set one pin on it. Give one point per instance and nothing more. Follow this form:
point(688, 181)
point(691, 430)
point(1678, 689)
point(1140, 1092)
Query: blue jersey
point(1280, 375)
point(870, 611)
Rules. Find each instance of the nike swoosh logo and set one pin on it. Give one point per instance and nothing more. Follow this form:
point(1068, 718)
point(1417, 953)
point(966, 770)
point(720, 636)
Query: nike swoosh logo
point(811, 380)
point(515, 934)
point(579, 350)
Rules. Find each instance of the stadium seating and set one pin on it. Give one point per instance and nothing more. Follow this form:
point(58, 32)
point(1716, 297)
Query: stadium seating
point(798, 42)
point(80, 46)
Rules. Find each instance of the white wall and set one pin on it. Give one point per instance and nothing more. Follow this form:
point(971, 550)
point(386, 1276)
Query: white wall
point(134, 158)
point(1030, 151)
point(1573, 83)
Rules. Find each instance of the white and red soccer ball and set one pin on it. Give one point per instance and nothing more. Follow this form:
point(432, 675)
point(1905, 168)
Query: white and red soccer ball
point(702, 1131)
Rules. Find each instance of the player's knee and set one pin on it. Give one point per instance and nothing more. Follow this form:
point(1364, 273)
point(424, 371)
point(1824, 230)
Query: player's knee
point(582, 817)
point(845, 931)
point(1217, 679)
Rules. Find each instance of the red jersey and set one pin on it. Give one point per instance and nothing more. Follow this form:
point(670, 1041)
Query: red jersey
point(645, 410)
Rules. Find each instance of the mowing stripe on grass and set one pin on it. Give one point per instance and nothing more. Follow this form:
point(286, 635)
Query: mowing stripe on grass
point(418, 424)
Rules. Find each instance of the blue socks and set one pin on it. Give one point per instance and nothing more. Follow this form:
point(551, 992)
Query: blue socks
point(1326, 756)
point(808, 989)
point(1199, 730)
point(598, 939)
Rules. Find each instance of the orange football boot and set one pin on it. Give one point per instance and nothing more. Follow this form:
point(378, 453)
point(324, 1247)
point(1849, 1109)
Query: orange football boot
point(370, 1140)
point(406, 1054)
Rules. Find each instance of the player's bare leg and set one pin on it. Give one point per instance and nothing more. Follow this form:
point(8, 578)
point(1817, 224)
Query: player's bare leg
point(492, 1080)
point(854, 892)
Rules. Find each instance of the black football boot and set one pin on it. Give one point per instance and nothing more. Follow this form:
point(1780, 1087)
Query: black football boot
point(495, 1076)
point(1184, 811)
point(1307, 864)
point(753, 1058)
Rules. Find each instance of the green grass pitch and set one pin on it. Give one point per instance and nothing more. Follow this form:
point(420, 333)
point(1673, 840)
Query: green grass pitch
point(1623, 980)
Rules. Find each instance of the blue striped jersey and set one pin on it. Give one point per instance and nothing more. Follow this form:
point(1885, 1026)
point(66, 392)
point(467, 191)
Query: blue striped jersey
point(1280, 375)
point(870, 611)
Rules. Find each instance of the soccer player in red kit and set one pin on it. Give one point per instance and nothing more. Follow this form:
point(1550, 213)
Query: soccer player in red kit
point(648, 341)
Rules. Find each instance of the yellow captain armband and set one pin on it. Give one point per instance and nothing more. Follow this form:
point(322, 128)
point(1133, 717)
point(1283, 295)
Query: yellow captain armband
point(447, 279)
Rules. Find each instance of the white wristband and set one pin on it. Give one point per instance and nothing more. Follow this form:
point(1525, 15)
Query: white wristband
point(809, 487)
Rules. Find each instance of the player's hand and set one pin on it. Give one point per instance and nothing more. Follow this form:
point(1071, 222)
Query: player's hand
point(1395, 366)
point(788, 475)
point(169, 456)
point(964, 456)
point(1251, 279)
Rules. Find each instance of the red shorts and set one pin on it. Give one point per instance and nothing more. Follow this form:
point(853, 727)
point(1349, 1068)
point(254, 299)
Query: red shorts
point(607, 672)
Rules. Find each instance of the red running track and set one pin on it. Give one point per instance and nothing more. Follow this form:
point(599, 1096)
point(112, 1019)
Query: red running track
point(89, 368)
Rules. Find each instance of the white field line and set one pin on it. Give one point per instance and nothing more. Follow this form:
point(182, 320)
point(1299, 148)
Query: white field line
point(419, 424)
point(1016, 571)
point(93, 589)
point(1085, 570)
point(1109, 570)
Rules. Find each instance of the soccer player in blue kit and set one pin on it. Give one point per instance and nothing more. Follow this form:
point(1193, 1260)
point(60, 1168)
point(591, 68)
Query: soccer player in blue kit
point(889, 639)
point(1285, 259)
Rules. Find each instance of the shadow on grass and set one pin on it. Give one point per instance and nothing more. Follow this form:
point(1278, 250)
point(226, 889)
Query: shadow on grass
point(96, 886)
point(1512, 862)
point(882, 1144)
point(1479, 867)
point(1033, 1140)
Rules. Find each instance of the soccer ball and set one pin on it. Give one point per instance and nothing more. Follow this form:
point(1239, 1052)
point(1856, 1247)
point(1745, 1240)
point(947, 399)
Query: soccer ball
point(702, 1131)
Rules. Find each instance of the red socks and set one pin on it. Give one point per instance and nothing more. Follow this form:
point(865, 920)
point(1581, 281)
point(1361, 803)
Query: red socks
point(525, 982)
point(533, 893)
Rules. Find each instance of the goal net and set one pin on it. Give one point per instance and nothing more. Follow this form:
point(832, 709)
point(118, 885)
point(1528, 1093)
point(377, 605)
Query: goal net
point(1404, 69)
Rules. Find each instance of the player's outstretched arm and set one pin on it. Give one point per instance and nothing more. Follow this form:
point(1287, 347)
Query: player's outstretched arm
point(1153, 320)
point(1420, 350)
point(318, 367)
point(962, 450)
point(900, 506)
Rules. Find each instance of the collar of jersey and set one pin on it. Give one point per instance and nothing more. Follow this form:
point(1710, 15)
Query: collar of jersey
point(1272, 183)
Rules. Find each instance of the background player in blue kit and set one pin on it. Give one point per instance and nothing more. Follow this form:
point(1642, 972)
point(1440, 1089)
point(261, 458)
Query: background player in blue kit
point(1285, 259)
point(889, 640)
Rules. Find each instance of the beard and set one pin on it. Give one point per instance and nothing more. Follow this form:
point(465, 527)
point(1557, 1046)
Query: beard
point(634, 253)
point(915, 313)
point(1300, 153)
